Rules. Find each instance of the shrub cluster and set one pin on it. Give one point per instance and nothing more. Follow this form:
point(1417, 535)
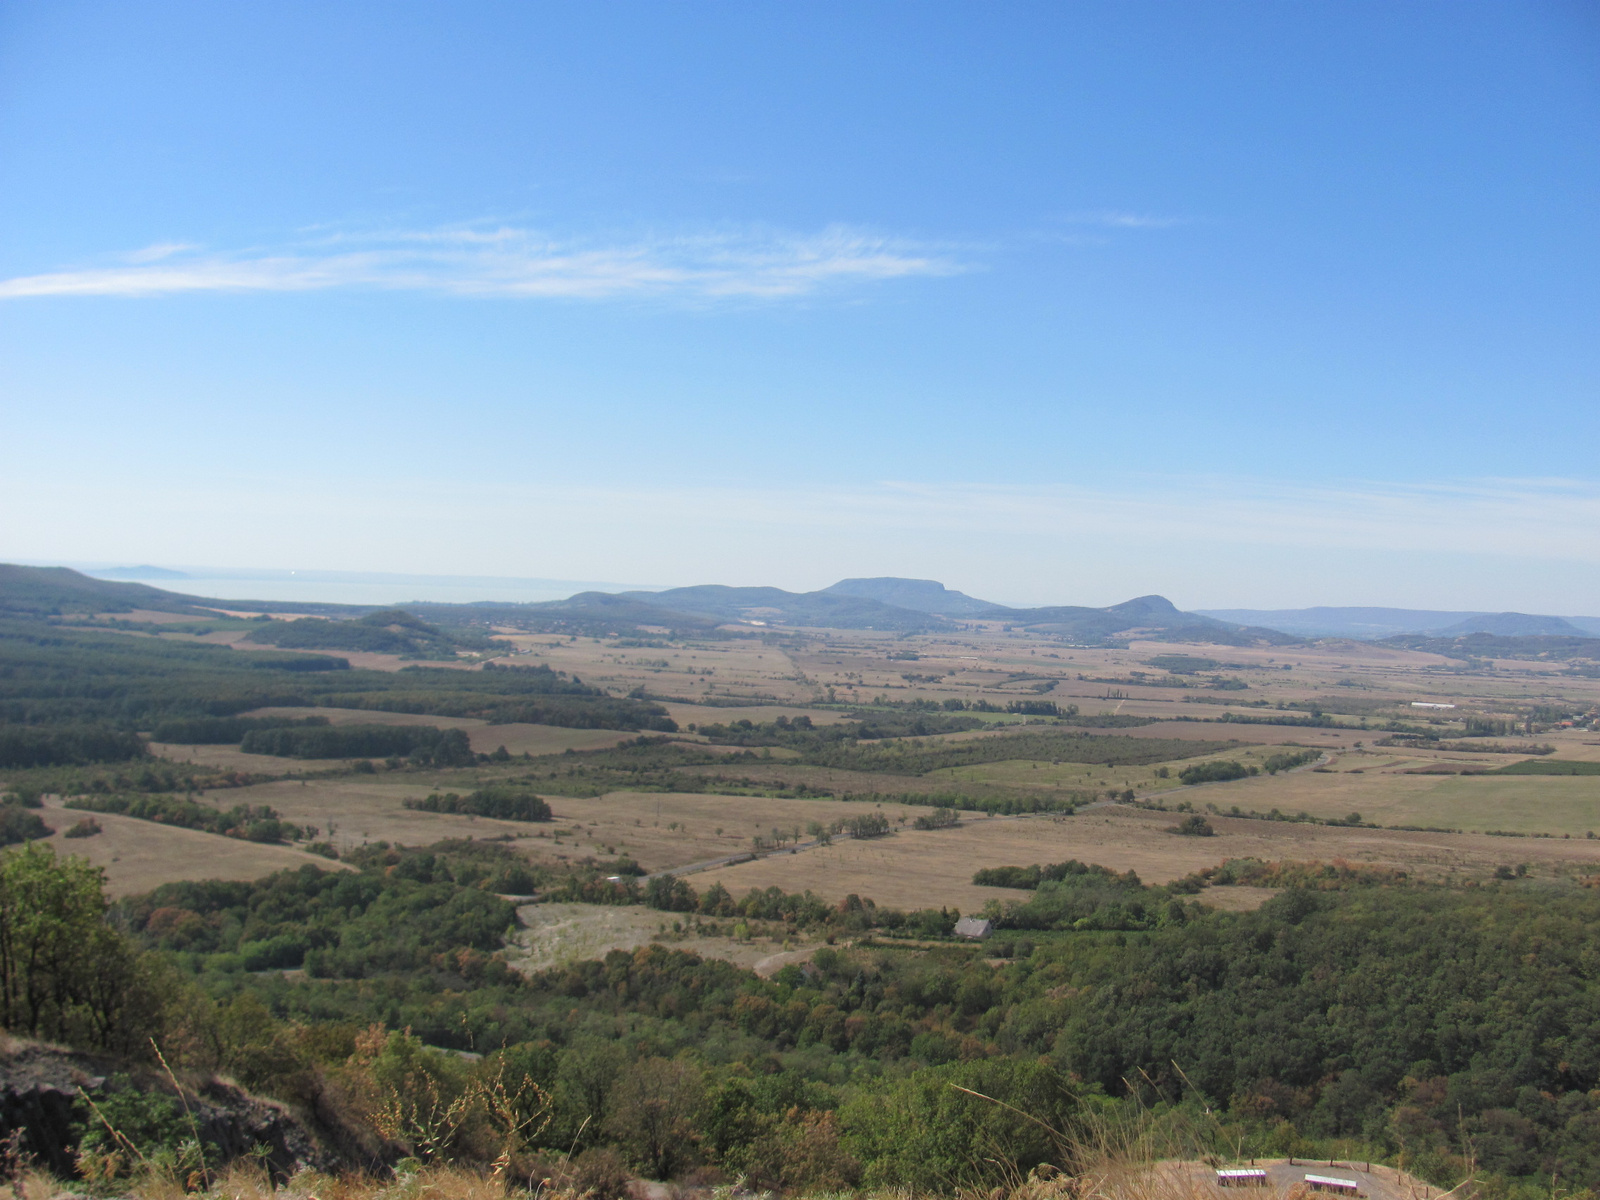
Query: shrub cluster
point(504, 803)
point(1216, 772)
point(251, 823)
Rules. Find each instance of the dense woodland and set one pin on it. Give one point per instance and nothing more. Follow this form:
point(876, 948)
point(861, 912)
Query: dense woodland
point(73, 697)
point(1351, 1015)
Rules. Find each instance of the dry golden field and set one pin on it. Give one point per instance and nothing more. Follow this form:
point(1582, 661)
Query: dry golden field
point(485, 738)
point(915, 869)
point(792, 672)
point(139, 855)
point(1393, 795)
point(660, 831)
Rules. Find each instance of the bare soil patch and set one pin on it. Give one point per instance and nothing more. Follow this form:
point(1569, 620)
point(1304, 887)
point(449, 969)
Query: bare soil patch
point(553, 934)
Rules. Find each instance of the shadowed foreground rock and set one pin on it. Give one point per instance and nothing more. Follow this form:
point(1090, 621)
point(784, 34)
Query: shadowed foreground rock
point(40, 1085)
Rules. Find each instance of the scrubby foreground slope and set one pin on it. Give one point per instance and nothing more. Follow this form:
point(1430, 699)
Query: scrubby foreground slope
point(1446, 1030)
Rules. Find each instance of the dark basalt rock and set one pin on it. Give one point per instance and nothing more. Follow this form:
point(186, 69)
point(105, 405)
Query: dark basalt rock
point(40, 1085)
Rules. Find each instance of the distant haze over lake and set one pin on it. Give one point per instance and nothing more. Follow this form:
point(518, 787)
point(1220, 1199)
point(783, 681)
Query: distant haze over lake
point(345, 587)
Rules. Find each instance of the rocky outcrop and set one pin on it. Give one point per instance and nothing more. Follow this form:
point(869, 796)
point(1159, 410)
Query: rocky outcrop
point(40, 1088)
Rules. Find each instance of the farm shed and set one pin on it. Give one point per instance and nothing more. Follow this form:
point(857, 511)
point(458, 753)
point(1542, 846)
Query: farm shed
point(974, 927)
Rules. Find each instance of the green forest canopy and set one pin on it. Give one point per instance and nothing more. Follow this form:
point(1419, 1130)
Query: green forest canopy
point(62, 679)
point(1371, 1018)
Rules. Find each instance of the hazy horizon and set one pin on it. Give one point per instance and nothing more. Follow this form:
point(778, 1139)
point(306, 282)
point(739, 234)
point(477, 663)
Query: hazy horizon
point(1258, 306)
point(360, 587)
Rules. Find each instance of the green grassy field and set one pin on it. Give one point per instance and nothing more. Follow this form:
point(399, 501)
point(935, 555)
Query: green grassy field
point(1519, 803)
point(1550, 804)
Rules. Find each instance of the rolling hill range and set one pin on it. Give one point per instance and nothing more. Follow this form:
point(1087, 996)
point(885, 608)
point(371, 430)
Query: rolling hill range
point(926, 605)
point(54, 591)
point(890, 604)
point(1373, 623)
point(884, 603)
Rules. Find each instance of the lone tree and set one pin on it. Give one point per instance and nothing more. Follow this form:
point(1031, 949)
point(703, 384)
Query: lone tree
point(65, 975)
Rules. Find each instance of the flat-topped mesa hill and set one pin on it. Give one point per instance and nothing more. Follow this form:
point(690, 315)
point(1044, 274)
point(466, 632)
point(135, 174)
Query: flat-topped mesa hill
point(920, 595)
point(1515, 624)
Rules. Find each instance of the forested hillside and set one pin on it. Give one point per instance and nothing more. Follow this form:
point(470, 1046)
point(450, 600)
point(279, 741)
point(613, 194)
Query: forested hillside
point(387, 631)
point(1445, 1028)
point(71, 697)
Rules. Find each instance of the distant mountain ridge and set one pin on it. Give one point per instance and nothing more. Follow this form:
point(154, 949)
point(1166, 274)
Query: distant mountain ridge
point(793, 608)
point(1512, 624)
point(880, 603)
point(920, 595)
point(50, 591)
point(1373, 623)
point(925, 605)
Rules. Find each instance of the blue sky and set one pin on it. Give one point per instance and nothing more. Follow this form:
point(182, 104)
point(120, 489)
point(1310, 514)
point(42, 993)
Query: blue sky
point(1246, 303)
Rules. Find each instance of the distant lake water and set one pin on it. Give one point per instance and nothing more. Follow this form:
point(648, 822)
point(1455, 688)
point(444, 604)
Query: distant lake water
point(330, 587)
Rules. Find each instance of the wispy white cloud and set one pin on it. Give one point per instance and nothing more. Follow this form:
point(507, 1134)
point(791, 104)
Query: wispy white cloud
point(512, 262)
point(1113, 219)
point(159, 251)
